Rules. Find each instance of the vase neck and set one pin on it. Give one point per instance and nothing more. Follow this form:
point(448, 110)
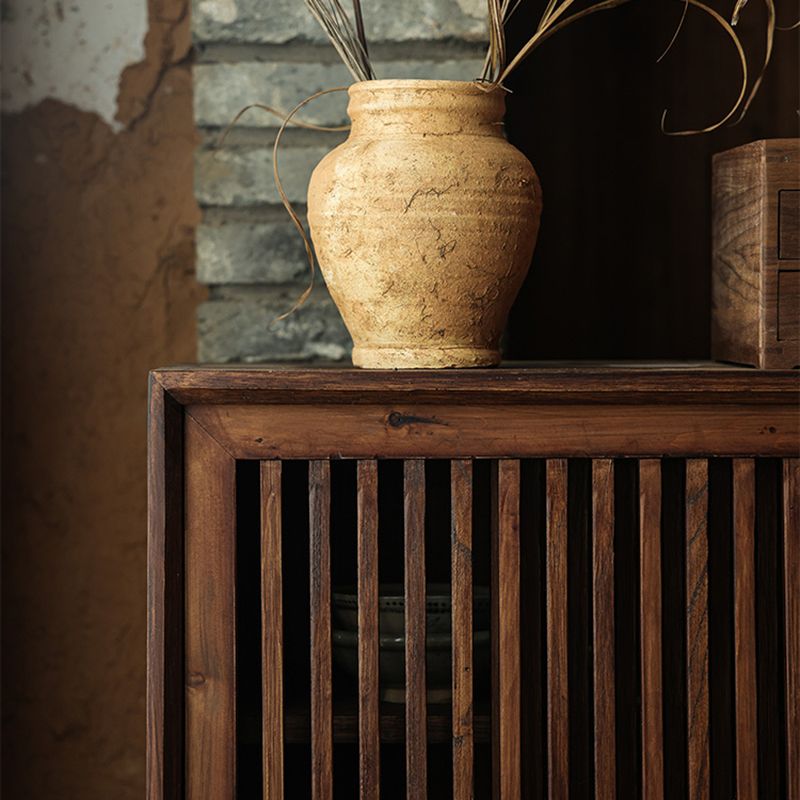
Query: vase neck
point(431, 108)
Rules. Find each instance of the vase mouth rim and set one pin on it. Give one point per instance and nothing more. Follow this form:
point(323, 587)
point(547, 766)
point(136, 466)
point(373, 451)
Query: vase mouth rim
point(469, 87)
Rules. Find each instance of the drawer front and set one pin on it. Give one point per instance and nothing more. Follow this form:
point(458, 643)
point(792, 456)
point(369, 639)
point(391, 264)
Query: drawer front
point(789, 305)
point(789, 224)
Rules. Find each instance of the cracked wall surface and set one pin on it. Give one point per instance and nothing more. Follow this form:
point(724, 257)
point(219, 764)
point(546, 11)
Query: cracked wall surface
point(70, 51)
point(97, 287)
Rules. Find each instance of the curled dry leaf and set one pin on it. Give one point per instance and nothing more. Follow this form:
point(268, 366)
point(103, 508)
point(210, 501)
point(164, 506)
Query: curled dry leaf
point(726, 26)
point(771, 24)
point(287, 204)
point(737, 10)
point(675, 35)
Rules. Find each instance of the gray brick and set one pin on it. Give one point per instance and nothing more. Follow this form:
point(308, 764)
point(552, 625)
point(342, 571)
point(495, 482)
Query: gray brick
point(242, 327)
point(222, 90)
point(250, 252)
point(236, 177)
point(282, 21)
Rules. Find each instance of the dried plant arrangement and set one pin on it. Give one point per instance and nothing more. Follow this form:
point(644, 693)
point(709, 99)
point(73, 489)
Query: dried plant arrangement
point(348, 37)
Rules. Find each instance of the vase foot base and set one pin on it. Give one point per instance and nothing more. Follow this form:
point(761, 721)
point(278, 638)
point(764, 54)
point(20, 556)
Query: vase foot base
point(424, 357)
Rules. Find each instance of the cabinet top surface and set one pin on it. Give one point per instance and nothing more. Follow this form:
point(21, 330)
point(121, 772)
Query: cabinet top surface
point(511, 381)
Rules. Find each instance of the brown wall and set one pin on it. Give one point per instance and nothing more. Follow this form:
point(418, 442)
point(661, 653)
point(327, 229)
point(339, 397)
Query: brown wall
point(97, 288)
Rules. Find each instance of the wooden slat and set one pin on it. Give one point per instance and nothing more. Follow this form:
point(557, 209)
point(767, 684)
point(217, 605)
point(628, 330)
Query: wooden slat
point(461, 586)
point(557, 622)
point(744, 593)
point(165, 588)
point(210, 531)
point(416, 695)
point(603, 628)
point(368, 700)
point(697, 629)
point(650, 583)
point(319, 489)
point(791, 588)
point(506, 730)
point(272, 629)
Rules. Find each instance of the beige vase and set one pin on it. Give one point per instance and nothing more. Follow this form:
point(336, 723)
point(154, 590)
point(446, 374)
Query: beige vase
point(424, 223)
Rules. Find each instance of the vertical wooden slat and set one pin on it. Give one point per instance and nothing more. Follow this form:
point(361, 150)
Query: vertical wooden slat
point(272, 629)
point(210, 550)
point(461, 586)
point(603, 628)
point(696, 555)
point(416, 695)
point(556, 611)
point(368, 697)
point(744, 594)
point(791, 588)
point(319, 487)
point(506, 730)
point(650, 583)
point(165, 597)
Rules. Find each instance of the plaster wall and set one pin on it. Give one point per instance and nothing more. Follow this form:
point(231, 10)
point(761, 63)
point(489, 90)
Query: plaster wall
point(97, 287)
point(71, 51)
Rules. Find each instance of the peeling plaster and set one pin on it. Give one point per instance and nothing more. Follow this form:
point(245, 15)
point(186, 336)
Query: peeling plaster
point(473, 8)
point(70, 50)
point(220, 10)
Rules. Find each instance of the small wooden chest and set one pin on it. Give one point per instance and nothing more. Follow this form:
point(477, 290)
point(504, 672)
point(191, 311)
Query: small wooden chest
point(756, 258)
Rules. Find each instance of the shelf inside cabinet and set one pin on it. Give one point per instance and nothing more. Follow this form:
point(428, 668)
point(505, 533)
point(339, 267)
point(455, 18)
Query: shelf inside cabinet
point(297, 726)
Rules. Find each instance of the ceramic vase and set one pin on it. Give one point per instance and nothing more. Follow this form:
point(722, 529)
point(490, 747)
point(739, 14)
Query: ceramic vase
point(424, 222)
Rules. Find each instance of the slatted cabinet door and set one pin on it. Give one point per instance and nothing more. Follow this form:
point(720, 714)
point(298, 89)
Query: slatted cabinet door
point(625, 489)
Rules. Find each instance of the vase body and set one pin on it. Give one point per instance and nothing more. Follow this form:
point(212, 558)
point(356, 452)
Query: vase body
point(424, 223)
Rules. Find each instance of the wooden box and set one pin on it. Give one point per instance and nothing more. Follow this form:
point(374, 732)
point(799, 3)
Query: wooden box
point(756, 259)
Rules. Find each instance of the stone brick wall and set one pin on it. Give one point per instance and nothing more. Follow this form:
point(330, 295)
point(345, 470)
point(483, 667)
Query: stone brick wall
point(273, 52)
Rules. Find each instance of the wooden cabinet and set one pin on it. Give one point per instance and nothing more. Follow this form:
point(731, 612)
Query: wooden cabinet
point(638, 527)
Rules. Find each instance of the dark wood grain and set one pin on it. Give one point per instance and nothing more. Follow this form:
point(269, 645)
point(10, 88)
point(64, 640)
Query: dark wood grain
point(319, 516)
point(603, 628)
point(788, 311)
point(737, 233)
point(369, 746)
point(272, 629)
point(791, 589)
point(461, 588)
point(657, 383)
point(415, 614)
point(650, 583)
point(412, 431)
point(165, 668)
point(697, 697)
point(506, 730)
point(789, 225)
point(210, 531)
point(557, 632)
point(746, 715)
